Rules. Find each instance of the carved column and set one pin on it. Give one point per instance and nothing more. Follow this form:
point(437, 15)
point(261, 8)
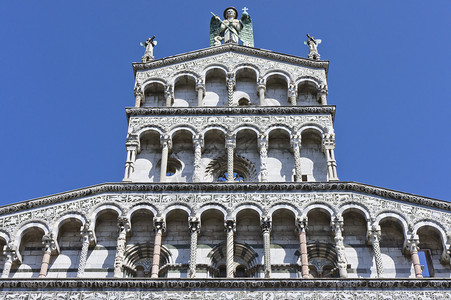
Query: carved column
point(49, 243)
point(168, 94)
point(132, 145)
point(194, 227)
point(266, 230)
point(322, 94)
point(263, 148)
point(412, 243)
point(296, 145)
point(301, 225)
point(328, 148)
point(87, 237)
point(261, 90)
point(230, 229)
point(292, 93)
point(230, 146)
point(10, 253)
point(337, 227)
point(200, 88)
point(139, 95)
point(166, 144)
point(375, 236)
point(123, 228)
point(198, 143)
point(159, 226)
point(230, 87)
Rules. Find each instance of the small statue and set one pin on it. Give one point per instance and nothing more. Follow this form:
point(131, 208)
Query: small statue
point(148, 53)
point(231, 30)
point(312, 44)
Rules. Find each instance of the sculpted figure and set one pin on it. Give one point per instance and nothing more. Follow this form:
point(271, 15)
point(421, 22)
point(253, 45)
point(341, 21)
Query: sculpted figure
point(148, 53)
point(231, 30)
point(312, 44)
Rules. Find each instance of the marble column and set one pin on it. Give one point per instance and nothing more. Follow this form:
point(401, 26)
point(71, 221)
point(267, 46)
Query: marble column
point(337, 227)
point(301, 225)
point(261, 90)
point(296, 145)
point(10, 253)
point(49, 243)
point(230, 229)
point(166, 144)
point(266, 230)
point(263, 148)
point(87, 237)
point(139, 96)
point(123, 227)
point(292, 93)
point(375, 236)
point(169, 95)
point(194, 227)
point(413, 243)
point(230, 145)
point(322, 94)
point(328, 148)
point(159, 226)
point(200, 89)
point(198, 143)
point(132, 145)
point(230, 87)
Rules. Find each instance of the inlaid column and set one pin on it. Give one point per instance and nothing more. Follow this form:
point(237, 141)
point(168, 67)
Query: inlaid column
point(301, 225)
point(10, 253)
point(337, 227)
point(166, 144)
point(194, 228)
point(413, 243)
point(49, 243)
point(328, 148)
point(266, 230)
point(230, 145)
point(230, 230)
point(261, 90)
point(322, 94)
point(159, 226)
point(263, 149)
point(132, 145)
point(169, 95)
point(375, 236)
point(198, 143)
point(139, 95)
point(123, 227)
point(200, 89)
point(230, 87)
point(296, 145)
point(87, 237)
point(292, 93)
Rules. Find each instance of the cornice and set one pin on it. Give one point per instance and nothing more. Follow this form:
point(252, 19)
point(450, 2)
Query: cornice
point(226, 188)
point(249, 110)
point(322, 64)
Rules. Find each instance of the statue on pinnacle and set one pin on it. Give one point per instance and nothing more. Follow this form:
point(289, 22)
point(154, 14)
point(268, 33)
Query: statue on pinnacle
point(231, 30)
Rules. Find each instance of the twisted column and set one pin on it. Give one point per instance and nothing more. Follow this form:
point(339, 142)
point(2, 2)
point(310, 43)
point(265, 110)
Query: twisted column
point(301, 225)
point(168, 94)
point(375, 235)
point(123, 228)
point(230, 145)
point(139, 95)
point(200, 88)
point(165, 145)
point(261, 90)
point(263, 148)
point(230, 87)
point(87, 237)
point(266, 229)
point(11, 256)
point(50, 245)
point(292, 93)
point(132, 145)
point(198, 143)
point(328, 148)
point(158, 226)
point(337, 227)
point(322, 94)
point(194, 227)
point(296, 145)
point(413, 243)
point(230, 229)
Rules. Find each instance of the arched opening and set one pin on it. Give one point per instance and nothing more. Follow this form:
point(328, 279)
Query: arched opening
point(430, 253)
point(180, 166)
point(280, 157)
point(284, 244)
point(145, 169)
point(322, 260)
point(214, 150)
point(243, 102)
point(154, 95)
point(216, 88)
point(245, 260)
point(307, 94)
point(32, 252)
point(276, 91)
point(313, 160)
point(246, 87)
point(396, 265)
point(185, 91)
point(211, 234)
point(247, 156)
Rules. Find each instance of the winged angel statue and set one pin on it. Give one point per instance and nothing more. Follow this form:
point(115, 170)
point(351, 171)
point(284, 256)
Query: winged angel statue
point(231, 30)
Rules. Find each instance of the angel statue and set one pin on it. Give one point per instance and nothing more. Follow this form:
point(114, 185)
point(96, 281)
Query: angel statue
point(231, 30)
point(312, 44)
point(148, 53)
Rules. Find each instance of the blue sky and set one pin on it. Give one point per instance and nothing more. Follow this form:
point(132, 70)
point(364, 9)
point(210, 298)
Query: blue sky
point(66, 76)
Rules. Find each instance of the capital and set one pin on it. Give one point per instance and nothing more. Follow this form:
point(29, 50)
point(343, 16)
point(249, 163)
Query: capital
point(159, 224)
point(194, 224)
point(230, 141)
point(302, 223)
point(265, 224)
point(230, 225)
point(168, 91)
point(412, 243)
point(123, 224)
point(295, 141)
point(198, 141)
point(166, 141)
point(49, 242)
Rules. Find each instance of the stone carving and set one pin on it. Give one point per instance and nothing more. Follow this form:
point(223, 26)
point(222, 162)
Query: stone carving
point(263, 148)
point(194, 227)
point(123, 227)
point(230, 87)
point(337, 227)
point(149, 44)
point(296, 144)
point(139, 95)
point(197, 143)
point(231, 30)
point(230, 229)
point(87, 238)
point(265, 225)
point(312, 44)
point(375, 235)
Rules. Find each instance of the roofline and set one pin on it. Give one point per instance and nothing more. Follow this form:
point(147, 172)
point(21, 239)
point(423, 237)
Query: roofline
point(225, 187)
point(322, 64)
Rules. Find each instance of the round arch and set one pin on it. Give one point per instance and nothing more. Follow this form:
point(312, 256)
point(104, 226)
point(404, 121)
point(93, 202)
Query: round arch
point(251, 127)
point(278, 126)
point(252, 67)
point(394, 216)
point(103, 207)
point(314, 127)
point(279, 73)
point(26, 226)
point(142, 206)
point(431, 223)
point(67, 217)
point(308, 79)
point(176, 206)
point(180, 74)
point(319, 205)
point(212, 67)
point(286, 206)
point(214, 127)
point(244, 206)
point(150, 81)
point(211, 206)
point(186, 127)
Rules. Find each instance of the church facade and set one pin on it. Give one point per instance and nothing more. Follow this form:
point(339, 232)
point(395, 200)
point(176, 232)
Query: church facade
point(230, 191)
